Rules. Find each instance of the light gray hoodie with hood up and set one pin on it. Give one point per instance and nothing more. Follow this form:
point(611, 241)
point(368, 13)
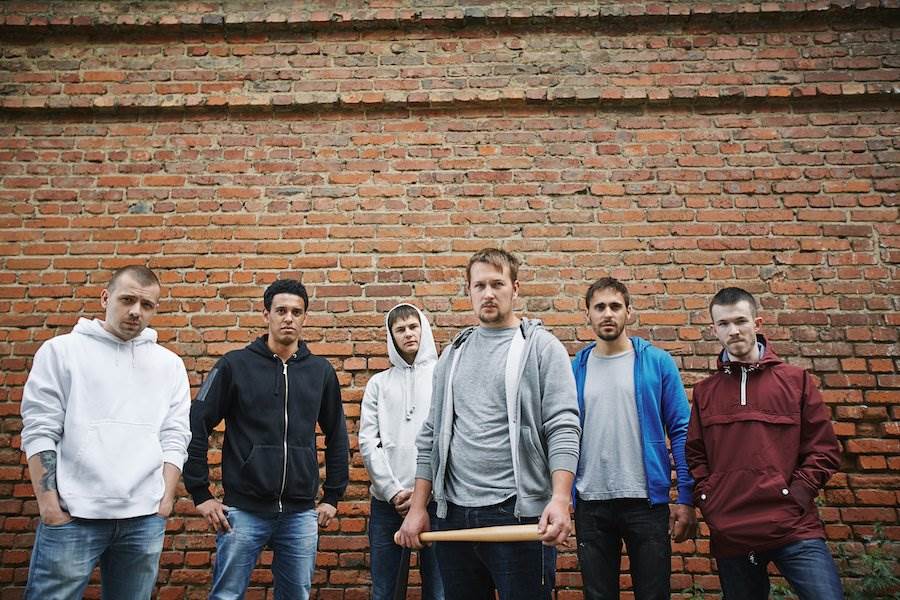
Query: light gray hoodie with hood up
point(394, 406)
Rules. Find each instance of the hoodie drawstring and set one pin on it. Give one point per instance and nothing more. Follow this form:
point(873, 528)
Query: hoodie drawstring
point(409, 399)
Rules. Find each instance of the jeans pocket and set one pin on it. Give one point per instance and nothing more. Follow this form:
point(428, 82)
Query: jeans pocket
point(59, 525)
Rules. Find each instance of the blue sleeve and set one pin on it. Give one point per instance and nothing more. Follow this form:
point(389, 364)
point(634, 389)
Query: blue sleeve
point(676, 415)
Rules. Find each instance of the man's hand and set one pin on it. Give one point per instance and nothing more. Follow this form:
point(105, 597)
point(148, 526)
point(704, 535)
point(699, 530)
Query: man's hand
point(682, 522)
point(214, 513)
point(416, 522)
point(326, 513)
point(55, 516)
point(555, 525)
point(402, 501)
point(166, 506)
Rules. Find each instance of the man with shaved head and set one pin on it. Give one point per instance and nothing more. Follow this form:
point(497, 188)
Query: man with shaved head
point(105, 429)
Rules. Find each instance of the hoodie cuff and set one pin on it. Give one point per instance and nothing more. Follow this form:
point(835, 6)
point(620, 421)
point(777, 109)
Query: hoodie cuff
point(38, 445)
point(424, 472)
point(686, 495)
point(330, 498)
point(175, 458)
point(200, 496)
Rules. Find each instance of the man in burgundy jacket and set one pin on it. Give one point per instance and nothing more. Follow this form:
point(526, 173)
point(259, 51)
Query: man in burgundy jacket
point(760, 447)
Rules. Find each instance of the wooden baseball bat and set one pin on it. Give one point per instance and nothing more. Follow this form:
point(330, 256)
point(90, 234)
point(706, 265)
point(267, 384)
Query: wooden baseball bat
point(499, 533)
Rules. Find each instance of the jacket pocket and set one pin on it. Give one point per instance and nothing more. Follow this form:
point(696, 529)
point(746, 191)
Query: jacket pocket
point(260, 474)
point(658, 468)
point(534, 471)
point(302, 481)
point(116, 460)
point(749, 507)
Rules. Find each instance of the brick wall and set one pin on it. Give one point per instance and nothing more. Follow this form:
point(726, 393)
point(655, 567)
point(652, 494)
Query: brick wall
point(370, 149)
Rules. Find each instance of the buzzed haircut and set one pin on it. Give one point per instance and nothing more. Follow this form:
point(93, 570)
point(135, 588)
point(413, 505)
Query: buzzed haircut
point(398, 313)
point(607, 283)
point(732, 295)
point(144, 276)
point(497, 258)
point(285, 286)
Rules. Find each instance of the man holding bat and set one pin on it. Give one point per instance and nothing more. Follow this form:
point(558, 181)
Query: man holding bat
point(500, 445)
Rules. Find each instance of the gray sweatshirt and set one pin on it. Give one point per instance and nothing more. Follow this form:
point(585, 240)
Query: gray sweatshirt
point(542, 411)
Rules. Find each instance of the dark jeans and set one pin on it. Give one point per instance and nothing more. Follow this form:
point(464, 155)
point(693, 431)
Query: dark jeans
point(384, 521)
point(807, 565)
point(602, 525)
point(472, 571)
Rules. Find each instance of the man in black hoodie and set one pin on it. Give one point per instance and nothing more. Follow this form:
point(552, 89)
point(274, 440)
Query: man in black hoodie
point(271, 395)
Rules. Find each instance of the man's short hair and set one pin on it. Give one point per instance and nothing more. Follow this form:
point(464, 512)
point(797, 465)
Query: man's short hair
point(398, 313)
point(607, 283)
point(285, 286)
point(732, 295)
point(497, 258)
point(139, 273)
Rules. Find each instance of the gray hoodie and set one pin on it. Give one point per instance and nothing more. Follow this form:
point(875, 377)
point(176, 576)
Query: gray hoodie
point(542, 411)
point(394, 406)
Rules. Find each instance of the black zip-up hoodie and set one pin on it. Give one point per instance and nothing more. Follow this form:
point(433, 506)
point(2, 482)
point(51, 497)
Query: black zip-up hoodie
point(270, 407)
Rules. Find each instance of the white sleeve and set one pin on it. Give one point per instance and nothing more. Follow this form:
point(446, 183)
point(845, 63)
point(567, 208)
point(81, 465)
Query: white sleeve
point(175, 432)
point(382, 476)
point(44, 401)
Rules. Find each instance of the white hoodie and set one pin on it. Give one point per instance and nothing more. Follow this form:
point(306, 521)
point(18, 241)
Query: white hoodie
point(114, 412)
point(394, 406)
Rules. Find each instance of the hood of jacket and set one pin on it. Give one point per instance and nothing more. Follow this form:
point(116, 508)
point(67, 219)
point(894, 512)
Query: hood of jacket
point(767, 359)
point(93, 328)
point(427, 350)
point(261, 346)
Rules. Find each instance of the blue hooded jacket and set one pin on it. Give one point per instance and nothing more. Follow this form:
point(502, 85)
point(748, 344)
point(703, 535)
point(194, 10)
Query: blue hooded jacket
point(662, 408)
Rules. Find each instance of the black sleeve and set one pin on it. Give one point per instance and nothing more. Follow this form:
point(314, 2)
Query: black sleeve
point(337, 445)
point(207, 411)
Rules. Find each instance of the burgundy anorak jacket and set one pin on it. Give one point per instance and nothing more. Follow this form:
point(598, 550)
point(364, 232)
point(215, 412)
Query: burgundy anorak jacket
point(760, 446)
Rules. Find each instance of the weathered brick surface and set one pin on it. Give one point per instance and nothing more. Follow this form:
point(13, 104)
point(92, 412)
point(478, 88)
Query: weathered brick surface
point(587, 61)
point(752, 144)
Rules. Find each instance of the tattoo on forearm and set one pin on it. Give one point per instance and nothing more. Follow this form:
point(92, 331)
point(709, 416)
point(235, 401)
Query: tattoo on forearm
point(48, 479)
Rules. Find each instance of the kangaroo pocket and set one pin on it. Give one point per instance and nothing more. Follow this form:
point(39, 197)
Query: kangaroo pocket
point(302, 481)
point(749, 507)
point(115, 460)
point(261, 473)
point(403, 463)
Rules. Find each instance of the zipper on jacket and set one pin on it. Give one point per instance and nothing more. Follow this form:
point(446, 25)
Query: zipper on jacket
point(743, 386)
point(284, 463)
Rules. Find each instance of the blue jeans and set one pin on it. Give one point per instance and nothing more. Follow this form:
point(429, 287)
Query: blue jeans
point(384, 521)
point(472, 571)
point(292, 537)
point(807, 565)
point(602, 525)
point(64, 556)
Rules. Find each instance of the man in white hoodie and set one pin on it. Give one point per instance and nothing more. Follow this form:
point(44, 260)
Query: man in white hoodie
point(394, 407)
point(105, 429)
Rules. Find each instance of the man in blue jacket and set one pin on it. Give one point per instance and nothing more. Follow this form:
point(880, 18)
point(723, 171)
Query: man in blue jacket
point(630, 396)
point(271, 394)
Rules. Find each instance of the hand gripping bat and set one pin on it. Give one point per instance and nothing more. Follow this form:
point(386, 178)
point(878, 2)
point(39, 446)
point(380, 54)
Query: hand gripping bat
point(499, 533)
